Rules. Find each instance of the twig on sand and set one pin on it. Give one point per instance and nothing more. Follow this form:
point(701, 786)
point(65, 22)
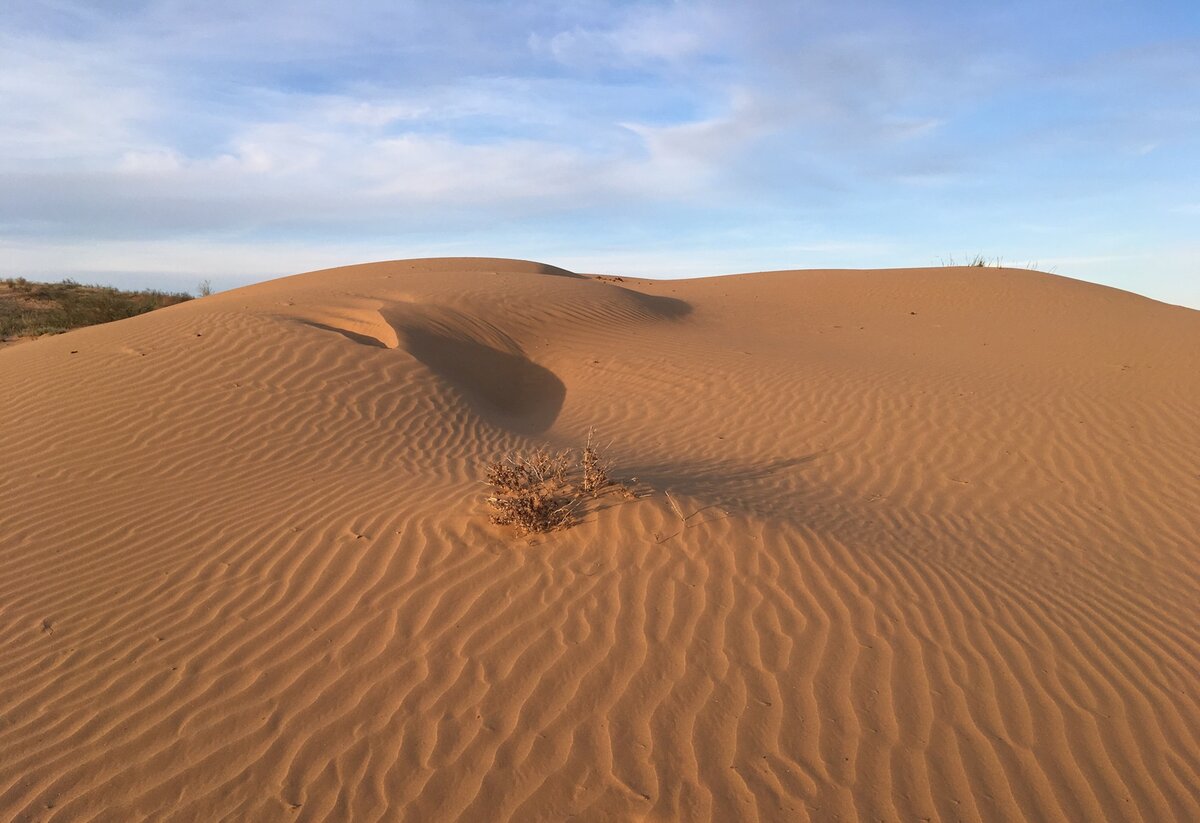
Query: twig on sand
point(678, 510)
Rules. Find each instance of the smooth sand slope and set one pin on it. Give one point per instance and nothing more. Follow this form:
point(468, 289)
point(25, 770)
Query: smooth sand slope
point(940, 559)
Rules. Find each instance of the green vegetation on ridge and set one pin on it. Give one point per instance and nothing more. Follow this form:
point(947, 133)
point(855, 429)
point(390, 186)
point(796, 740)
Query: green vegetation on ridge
point(30, 309)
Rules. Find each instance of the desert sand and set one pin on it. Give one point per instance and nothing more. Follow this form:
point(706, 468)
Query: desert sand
point(930, 552)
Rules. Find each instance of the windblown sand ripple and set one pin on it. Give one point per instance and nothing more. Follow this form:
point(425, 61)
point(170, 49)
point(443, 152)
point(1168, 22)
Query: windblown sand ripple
point(938, 557)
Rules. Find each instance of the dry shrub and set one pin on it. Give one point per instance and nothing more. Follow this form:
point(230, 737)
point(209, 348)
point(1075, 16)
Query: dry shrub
point(539, 491)
point(531, 493)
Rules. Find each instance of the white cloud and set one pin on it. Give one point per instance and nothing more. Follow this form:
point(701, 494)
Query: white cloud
point(150, 161)
point(642, 34)
point(66, 105)
point(367, 146)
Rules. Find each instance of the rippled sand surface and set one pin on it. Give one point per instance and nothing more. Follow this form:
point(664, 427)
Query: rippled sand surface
point(912, 545)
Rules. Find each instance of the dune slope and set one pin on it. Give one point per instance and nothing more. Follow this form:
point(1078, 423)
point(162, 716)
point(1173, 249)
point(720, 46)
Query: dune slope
point(937, 558)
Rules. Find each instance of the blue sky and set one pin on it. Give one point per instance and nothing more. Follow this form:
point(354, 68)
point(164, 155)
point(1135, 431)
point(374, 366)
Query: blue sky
point(158, 142)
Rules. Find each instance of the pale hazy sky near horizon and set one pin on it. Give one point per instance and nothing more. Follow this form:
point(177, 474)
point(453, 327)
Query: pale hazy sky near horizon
point(159, 142)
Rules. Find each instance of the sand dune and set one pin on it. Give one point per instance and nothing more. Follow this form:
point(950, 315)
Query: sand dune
point(939, 559)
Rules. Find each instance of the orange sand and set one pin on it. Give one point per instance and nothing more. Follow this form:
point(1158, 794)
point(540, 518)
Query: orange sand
point(939, 561)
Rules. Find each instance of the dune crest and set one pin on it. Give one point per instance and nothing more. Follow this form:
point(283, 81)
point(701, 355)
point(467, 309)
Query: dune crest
point(930, 551)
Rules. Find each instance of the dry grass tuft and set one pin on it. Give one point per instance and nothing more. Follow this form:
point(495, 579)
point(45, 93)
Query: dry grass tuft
point(540, 491)
point(595, 469)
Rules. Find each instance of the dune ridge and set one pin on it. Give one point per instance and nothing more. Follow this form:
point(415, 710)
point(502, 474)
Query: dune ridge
point(939, 558)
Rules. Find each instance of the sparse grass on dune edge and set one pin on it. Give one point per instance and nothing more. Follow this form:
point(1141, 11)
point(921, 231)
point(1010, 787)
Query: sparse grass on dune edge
point(30, 309)
point(980, 261)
